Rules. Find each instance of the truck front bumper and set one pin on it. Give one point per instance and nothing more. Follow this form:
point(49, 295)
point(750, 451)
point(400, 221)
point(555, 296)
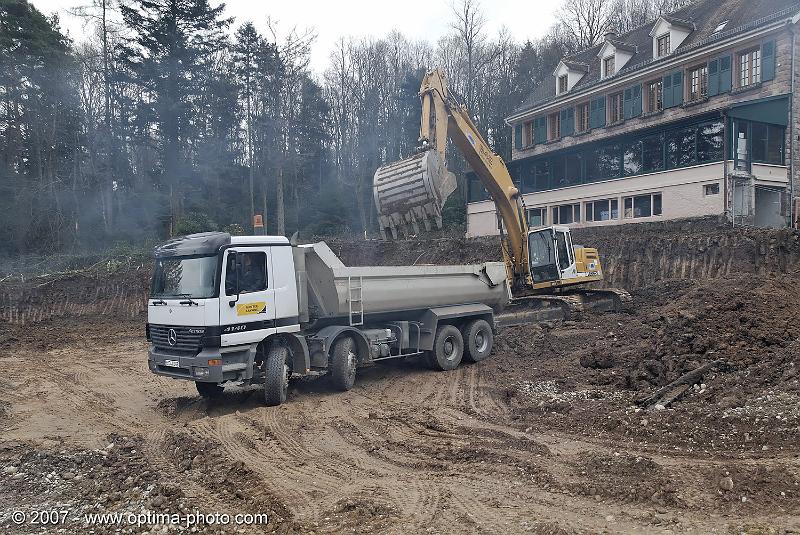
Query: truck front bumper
point(226, 364)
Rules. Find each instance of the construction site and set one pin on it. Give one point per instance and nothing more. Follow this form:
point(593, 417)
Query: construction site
point(557, 432)
point(599, 337)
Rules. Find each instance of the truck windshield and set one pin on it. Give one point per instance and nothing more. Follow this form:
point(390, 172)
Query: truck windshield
point(185, 276)
point(540, 246)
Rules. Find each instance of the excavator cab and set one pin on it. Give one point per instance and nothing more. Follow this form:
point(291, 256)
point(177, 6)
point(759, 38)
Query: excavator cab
point(555, 261)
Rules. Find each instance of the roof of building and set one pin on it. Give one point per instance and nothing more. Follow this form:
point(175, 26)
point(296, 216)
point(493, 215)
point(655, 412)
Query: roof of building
point(702, 17)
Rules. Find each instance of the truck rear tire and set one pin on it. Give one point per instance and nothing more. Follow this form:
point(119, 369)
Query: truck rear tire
point(448, 348)
point(343, 364)
point(276, 376)
point(478, 340)
point(209, 390)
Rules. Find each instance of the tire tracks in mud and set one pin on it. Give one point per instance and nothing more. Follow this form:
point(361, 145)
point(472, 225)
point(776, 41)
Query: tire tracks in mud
point(405, 447)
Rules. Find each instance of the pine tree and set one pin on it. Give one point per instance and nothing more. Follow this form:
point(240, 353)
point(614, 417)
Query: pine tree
point(173, 42)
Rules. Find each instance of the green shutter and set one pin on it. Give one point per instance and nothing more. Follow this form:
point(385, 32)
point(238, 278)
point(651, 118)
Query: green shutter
point(627, 103)
point(768, 60)
point(677, 88)
point(713, 77)
point(725, 74)
point(567, 122)
point(540, 129)
point(666, 91)
point(597, 112)
point(632, 102)
point(518, 136)
point(637, 101)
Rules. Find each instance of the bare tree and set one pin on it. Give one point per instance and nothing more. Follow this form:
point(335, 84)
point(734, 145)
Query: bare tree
point(585, 20)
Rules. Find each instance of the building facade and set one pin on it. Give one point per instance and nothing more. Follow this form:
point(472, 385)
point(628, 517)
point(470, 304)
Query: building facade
point(690, 115)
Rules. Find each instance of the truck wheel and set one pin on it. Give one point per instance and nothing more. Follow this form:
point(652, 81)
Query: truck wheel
point(448, 348)
point(343, 363)
point(276, 376)
point(209, 390)
point(478, 340)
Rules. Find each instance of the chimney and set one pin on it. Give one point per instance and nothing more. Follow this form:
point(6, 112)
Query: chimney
point(611, 33)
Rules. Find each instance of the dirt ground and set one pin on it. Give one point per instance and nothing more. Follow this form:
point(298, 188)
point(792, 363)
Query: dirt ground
point(543, 437)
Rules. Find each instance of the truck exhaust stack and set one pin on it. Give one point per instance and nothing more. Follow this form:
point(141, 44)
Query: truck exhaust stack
point(410, 192)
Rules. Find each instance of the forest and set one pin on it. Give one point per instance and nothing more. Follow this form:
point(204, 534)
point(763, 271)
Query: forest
point(167, 118)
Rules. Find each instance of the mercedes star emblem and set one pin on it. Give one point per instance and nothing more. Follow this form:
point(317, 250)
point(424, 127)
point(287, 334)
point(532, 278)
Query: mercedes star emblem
point(172, 337)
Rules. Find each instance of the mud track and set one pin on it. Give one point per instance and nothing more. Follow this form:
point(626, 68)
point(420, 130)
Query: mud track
point(518, 443)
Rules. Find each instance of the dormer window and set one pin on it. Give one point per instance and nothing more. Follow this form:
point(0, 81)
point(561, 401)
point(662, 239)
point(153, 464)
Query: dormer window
point(668, 34)
point(608, 66)
point(567, 74)
point(663, 45)
point(562, 84)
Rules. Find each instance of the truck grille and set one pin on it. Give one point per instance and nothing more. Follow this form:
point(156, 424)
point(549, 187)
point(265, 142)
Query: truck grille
point(185, 339)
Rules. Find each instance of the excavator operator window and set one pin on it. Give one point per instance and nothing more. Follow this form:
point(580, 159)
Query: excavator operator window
point(542, 256)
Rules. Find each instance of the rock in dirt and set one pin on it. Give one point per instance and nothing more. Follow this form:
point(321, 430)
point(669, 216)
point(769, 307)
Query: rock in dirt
point(597, 361)
point(726, 484)
point(10, 470)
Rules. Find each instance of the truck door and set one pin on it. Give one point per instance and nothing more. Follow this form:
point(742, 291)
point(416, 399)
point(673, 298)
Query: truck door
point(247, 295)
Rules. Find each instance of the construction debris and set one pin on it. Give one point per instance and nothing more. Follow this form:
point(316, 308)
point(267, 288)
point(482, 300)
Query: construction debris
point(664, 396)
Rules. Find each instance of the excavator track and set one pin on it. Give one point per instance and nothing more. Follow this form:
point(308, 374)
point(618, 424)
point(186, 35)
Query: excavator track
point(564, 306)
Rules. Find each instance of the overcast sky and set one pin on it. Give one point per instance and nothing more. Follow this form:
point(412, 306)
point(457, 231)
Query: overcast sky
point(417, 19)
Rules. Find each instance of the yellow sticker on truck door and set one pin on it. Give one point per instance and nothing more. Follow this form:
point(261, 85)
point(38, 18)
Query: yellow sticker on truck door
point(248, 309)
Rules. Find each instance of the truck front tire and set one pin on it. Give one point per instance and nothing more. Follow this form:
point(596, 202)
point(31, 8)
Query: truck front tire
point(276, 376)
point(448, 348)
point(478, 340)
point(209, 390)
point(343, 363)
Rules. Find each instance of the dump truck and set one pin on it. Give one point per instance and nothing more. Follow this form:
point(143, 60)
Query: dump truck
point(261, 310)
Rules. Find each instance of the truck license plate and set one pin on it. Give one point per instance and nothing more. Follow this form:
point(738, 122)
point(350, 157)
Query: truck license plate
point(172, 363)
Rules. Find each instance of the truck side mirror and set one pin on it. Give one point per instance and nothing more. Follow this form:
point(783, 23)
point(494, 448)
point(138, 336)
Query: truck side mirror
point(236, 264)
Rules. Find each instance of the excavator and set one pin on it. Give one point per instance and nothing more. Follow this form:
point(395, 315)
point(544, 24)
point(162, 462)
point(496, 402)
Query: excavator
point(544, 265)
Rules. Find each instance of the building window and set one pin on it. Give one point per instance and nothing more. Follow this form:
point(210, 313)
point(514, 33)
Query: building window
point(766, 143)
point(608, 66)
point(642, 205)
point(615, 108)
point(711, 189)
point(639, 153)
point(662, 44)
point(582, 117)
point(603, 210)
point(698, 83)
point(566, 214)
point(537, 217)
point(562, 84)
point(527, 134)
point(750, 67)
point(655, 96)
point(553, 126)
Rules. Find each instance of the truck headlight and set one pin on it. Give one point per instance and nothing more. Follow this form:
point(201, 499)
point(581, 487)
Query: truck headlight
point(200, 372)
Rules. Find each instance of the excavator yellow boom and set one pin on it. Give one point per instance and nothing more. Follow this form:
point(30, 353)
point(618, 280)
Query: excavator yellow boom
point(410, 193)
point(400, 188)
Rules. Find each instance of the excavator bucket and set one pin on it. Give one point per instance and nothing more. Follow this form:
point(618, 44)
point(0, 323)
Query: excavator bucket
point(410, 193)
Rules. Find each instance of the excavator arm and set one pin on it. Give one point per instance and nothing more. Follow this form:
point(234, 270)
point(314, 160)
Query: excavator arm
point(444, 117)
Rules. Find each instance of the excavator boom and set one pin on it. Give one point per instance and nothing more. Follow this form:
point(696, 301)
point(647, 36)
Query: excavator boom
point(411, 193)
point(543, 265)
